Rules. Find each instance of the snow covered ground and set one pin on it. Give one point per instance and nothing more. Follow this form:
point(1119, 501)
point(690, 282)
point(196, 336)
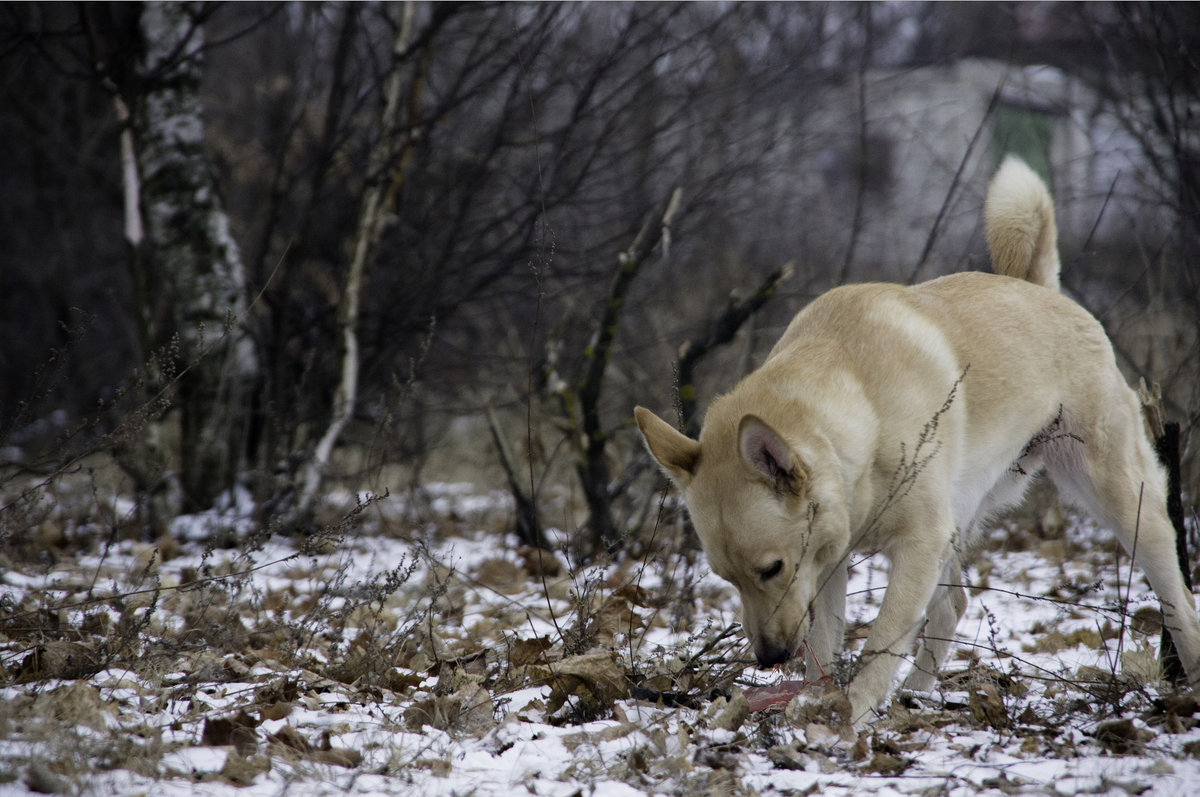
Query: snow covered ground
point(435, 658)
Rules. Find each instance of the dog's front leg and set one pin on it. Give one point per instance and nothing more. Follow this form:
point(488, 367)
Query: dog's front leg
point(916, 561)
point(941, 618)
point(826, 637)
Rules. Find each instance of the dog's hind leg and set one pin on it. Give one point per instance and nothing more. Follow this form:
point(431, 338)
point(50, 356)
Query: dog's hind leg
point(1114, 473)
point(941, 618)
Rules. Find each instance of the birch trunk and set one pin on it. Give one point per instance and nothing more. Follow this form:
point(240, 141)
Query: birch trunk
point(142, 454)
point(193, 257)
point(378, 197)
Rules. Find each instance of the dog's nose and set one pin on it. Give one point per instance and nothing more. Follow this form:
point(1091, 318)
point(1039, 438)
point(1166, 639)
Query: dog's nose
point(770, 654)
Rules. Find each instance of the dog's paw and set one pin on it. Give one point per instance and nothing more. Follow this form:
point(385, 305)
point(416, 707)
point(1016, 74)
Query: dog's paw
point(864, 703)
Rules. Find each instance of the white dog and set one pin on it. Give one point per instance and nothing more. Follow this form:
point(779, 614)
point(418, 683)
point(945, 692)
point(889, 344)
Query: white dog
point(897, 419)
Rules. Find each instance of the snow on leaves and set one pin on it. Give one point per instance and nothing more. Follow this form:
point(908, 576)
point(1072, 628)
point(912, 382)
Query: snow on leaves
point(481, 670)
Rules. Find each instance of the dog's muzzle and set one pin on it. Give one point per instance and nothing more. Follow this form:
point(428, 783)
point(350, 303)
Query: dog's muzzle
point(769, 655)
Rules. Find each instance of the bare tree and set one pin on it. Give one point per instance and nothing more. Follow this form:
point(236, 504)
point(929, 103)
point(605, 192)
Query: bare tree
point(1144, 58)
point(580, 403)
point(207, 359)
point(385, 176)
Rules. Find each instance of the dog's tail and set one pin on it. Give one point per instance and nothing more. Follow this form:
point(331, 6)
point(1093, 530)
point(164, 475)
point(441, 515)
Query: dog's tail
point(1019, 222)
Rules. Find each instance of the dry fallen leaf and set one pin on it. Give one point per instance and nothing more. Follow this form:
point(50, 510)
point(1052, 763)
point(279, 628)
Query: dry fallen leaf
point(788, 756)
point(887, 764)
point(78, 703)
point(241, 770)
point(594, 677)
point(987, 707)
point(528, 651)
point(59, 659)
point(539, 562)
point(1122, 736)
point(729, 713)
point(325, 753)
point(237, 731)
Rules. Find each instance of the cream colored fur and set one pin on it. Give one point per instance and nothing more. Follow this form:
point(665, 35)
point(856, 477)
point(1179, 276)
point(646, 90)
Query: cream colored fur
point(896, 419)
point(1019, 221)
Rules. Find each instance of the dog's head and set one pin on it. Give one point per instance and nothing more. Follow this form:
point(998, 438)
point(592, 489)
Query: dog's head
point(771, 518)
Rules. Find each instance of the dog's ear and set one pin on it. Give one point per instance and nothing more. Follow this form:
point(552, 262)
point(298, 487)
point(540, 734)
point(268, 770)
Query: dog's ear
point(768, 455)
point(677, 453)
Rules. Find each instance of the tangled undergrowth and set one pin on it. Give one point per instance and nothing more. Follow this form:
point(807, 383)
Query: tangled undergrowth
point(425, 651)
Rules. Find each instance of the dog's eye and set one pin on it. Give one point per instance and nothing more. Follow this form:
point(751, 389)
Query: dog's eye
point(772, 571)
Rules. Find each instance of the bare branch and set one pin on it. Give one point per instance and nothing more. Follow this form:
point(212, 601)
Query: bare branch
point(737, 311)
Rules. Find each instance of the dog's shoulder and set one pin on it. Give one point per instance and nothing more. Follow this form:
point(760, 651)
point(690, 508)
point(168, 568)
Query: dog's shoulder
point(839, 311)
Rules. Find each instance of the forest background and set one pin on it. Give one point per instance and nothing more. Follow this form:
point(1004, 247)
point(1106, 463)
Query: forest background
point(252, 250)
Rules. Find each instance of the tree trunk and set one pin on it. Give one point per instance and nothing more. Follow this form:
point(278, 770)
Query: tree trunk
point(378, 197)
point(192, 256)
point(142, 453)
